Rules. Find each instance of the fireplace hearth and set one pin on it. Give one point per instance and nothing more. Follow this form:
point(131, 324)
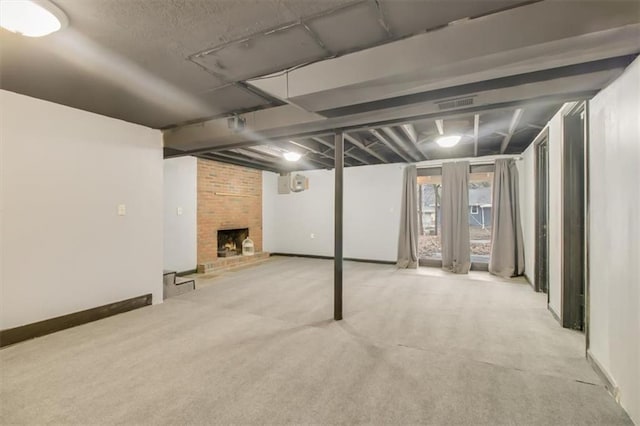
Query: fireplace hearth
point(230, 241)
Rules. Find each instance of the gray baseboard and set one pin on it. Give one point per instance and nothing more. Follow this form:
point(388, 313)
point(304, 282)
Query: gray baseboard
point(609, 383)
point(51, 325)
point(187, 272)
point(555, 315)
point(437, 263)
point(352, 259)
point(526, 277)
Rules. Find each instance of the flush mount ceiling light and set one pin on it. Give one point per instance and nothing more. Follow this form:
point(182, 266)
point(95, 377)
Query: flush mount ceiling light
point(448, 141)
point(31, 18)
point(291, 156)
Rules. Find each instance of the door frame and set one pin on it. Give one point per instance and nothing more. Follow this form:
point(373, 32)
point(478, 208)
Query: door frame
point(587, 225)
point(571, 316)
point(542, 138)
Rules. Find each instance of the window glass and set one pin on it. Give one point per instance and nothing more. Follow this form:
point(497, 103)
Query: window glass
point(429, 193)
point(480, 209)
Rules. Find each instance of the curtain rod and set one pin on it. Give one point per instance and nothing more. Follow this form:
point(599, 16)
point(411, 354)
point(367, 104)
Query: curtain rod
point(487, 159)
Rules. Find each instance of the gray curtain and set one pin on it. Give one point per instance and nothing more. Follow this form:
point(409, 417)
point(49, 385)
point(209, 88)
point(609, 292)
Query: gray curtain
point(408, 238)
point(456, 254)
point(507, 251)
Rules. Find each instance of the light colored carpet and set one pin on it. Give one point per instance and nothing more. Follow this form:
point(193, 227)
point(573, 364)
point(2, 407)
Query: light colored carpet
point(258, 346)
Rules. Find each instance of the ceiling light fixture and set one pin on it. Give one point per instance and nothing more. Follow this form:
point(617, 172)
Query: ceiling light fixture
point(31, 18)
point(448, 141)
point(291, 156)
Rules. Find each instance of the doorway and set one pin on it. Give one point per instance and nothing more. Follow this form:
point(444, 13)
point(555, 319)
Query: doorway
point(541, 277)
point(574, 263)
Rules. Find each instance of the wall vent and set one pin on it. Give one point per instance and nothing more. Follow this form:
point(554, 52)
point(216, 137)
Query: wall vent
point(454, 103)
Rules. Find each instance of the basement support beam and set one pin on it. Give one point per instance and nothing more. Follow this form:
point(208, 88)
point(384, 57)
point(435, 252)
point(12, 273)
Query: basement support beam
point(389, 145)
point(476, 131)
point(338, 216)
point(360, 144)
point(517, 115)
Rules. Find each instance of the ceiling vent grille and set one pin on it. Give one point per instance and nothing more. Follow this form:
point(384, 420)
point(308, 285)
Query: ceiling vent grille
point(455, 103)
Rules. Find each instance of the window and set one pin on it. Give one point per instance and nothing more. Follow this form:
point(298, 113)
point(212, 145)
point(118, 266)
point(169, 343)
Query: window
point(480, 193)
point(480, 206)
point(429, 193)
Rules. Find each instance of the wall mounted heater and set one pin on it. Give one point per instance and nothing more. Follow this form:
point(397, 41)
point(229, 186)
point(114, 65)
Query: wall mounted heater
point(295, 183)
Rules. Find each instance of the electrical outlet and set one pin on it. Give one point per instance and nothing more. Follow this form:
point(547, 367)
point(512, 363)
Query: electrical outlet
point(179, 211)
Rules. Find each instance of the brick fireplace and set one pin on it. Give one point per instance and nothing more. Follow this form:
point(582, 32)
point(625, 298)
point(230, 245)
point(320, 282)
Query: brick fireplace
point(229, 198)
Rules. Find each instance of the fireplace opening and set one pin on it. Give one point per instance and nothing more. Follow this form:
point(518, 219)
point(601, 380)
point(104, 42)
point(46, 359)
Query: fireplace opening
point(230, 241)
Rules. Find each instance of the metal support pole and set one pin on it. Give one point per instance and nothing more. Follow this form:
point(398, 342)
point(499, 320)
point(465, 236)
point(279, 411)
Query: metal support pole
point(337, 251)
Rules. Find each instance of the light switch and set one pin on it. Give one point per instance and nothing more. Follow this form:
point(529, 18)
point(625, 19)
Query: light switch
point(122, 210)
point(313, 236)
point(179, 211)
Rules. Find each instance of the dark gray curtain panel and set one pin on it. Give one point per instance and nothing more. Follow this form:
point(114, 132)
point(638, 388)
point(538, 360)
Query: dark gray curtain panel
point(456, 253)
point(408, 238)
point(507, 248)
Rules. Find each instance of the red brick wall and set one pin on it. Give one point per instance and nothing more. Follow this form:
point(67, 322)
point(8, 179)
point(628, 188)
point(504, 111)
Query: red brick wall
point(242, 209)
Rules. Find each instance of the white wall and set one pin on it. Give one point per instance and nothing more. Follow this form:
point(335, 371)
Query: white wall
point(527, 204)
point(614, 299)
point(372, 197)
point(556, 144)
point(63, 246)
point(180, 230)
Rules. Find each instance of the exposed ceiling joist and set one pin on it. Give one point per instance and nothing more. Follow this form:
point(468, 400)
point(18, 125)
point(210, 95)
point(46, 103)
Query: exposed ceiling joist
point(411, 149)
point(238, 160)
point(320, 153)
point(265, 151)
point(347, 152)
point(476, 132)
point(410, 131)
point(328, 154)
point(256, 155)
point(389, 145)
point(316, 161)
point(360, 144)
point(244, 158)
point(517, 115)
